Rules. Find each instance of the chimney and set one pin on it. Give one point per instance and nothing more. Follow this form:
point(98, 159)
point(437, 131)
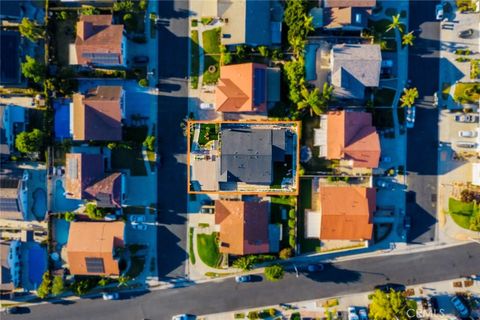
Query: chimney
point(84, 29)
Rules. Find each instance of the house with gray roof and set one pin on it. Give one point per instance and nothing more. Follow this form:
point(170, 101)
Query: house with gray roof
point(355, 67)
point(10, 73)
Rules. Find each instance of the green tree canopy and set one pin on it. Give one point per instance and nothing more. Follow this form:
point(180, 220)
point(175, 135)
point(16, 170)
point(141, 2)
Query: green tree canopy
point(409, 96)
point(149, 142)
point(29, 142)
point(395, 25)
point(94, 212)
point(31, 69)
point(30, 30)
point(274, 273)
point(69, 216)
point(392, 305)
point(58, 286)
point(44, 288)
point(407, 39)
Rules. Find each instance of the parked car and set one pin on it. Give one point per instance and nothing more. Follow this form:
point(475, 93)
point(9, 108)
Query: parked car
point(315, 267)
point(466, 118)
point(466, 144)
point(11, 310)
point(460, 307)
point(136, 218)
point(139, 226)
point(240, 279)
point(184, 317)
point(140, 59)
point(110, 296)
point(439, 11)
point(390, 286)
point(465, 34)
point(467, 134)
point(207, 106)
point(362, 313)
point(352, 314)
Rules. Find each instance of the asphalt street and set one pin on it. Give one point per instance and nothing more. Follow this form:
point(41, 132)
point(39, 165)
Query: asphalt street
point(223, 295)
point(172, 32)
point(423, 71)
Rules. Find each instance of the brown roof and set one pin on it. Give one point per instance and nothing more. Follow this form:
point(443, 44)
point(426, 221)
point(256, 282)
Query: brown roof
point(10, 206)
point(107, 191)
point(82, 170)
point(98, 115)
point(347, 213)
point(243, 226)
point(349, 3)
point(236, 88)
point(351, 136)
point(97, 35)
point(94, 240)
point(6, 283)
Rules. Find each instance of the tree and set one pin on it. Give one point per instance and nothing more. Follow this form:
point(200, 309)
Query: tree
point(127, 5)
point(274, 273)
point(149, 143)
point(244, 263)
point(44, 288)
point(29, 142)
point(294, 71)
point(31, 69)
point(408, 97)
point(69, 216)
point(89, 10)
point(407, 39)
point(104, 281)
point(123, 281)
point(312, 99)
point(143, 82)
point(395, 25)
point(58, 286)
point(286, 253)
point(263, 50)
point(95, 213)
point(392, 305)
point(30, 30)
point(240, 50)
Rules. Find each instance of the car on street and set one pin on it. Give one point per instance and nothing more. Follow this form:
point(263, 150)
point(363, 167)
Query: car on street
point(136, 218)
point(466, 118)
point(390, 286)
point(139, 226)
point(466, 144)
point(410, 117)
point(240, 279)
point(184, 317)
point(207, 106)
point(439, 11)
point(140, 59)
point(110, 296)
point(362, 313)
point(315, 267)
point(467, 134)
point(352, 314)
point(465, 34)
point(460, 307)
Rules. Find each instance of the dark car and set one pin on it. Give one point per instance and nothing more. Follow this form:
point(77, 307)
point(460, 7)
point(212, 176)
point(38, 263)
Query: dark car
point(140, 59)
point(465, 34)
point(391, 286)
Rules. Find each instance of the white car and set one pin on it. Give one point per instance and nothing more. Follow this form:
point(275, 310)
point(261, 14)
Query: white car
point(439, 11)
point(352, 314)
point(467, 134)
point(207, 106)
point(136, 218)
point(184, 317)
point(110, 296)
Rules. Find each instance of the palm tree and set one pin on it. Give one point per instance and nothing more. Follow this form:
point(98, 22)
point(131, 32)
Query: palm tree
point(312, 99)
point(327, 92)
point(123, 281)
point(407, 39)
point(395, 24)
point(408, 97)
point(308, 23)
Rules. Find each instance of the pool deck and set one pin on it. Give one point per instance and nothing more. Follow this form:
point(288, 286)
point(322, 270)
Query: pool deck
point(37, 180)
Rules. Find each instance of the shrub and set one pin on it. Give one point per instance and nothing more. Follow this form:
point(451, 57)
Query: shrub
point(253, 315)
point(291, 223)
point(46, 286)
point(33, 70)
point(286, 253)
point(29, 142)
point(58, 286)
point(69, 216)
point(264, 52)
point(83, 286)
point(143, 4)
point(129, 21)
point(30, 30)
point(89, 10)
point(143, 82)
point(292, 214)
point(292, 241)
point(95, 213)
point(149, 143)
point(274, 273)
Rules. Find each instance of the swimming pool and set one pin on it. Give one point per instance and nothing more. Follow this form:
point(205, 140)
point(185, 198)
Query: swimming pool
point(62, 118)
point(39, 207)
point(311, 62)
point(37, 264)
point(61, 203)
point(61, 231)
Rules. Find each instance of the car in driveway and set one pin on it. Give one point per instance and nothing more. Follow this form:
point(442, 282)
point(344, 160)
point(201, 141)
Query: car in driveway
point(352, 314)
point(241, 279)
point(460, 307)
point(136, 218)
point(466, 118)
point(110, 296)
point(465, 34)
point(466, 144)
point(467, 134)
point(184, 317)
point(439, 11)
point(207, 106)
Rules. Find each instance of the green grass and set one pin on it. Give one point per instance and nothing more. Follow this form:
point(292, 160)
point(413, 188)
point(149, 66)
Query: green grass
point(211, 129)
point(461, 212)
point(383, 97)
point(287, 201)
point(211, 41)
point(129, 159)
point(207, 247)
point(211, 47)
point(306, 245)
point(194, 62)
point(211, 77)
point(467, 92)
point(191, 253)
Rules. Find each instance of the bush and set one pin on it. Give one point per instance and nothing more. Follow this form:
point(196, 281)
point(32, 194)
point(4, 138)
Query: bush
point(253, 315)
point(264, 52)
point(95, 213)
point(143, 82)
point(292, 214)
point(83, 286)
point(292, 241)
point(286, 253)
point(69, 216)
point(46, 286)
point(29, 142)
point(291, 223)
point(58, 286)
point(274, 273)
point(149, 143)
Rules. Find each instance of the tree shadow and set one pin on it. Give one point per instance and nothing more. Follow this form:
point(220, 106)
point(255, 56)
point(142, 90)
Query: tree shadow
point(332, 273)
point(63, 302)
point(422, 223)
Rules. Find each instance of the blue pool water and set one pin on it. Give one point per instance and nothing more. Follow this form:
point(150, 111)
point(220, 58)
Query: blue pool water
point(310, 62)
point(39, 207)
point(61, 231)
point(61, 203)
point(37, 264)
point(62, 118)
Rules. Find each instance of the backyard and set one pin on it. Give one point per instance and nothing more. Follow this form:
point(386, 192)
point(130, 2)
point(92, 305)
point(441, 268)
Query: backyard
point(462, 212)
point(207, 246)
point(467, 92)
point(123, 158)
point(211, 47)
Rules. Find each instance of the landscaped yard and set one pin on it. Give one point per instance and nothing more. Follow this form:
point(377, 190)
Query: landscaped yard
point(211, 47)
point(462, 212)
point(194, 56)
point(305, 202)
point(208, 132)
point(191, 252)
point(211, 41)
point(467, 92)
point(207, 247)
point(383, 97)
point(132, 159)
point(280, 170)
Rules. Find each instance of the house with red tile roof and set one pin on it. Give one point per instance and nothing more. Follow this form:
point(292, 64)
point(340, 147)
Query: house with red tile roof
point(351, 136)
point(92, 247)
point(99, 42)
point(245, 228)
point(97, 115)
point(86, 179)
point(242, 88)
point(344, 213)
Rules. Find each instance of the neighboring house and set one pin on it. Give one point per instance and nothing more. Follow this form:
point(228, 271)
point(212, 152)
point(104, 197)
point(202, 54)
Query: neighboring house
point(6, 283)
point(355, 67)
point(86, 179)
point(11, 11)
point(92, 247)
point(97, 115)
point(347, 14)
point(344, 213)
point(99, 42)
point(13, 198)
point(12, 122)
point(244, 227)
point(10, 72)
point(350, 136)
point(242, 88)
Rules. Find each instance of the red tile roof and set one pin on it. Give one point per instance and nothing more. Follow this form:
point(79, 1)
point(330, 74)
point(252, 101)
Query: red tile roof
point(97, 35)
point(97, 115)
point(94, 240)
point(107, 191)
point(235, 89)
point(347, 213)
point(82, 170)
point(243, 226)
point(351, 136)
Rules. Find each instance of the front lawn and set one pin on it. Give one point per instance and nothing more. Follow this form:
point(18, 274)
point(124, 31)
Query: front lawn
point(467, 92)
point(194, 56)
point(207, 247)
point(211, 41)
point(211, 47)
point(383, 97)
point(462, 212)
